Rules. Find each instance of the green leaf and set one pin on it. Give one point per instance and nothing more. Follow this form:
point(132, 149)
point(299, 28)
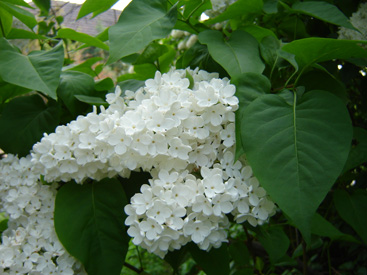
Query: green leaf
point(258, 32)
point(91, 100)
point(166, 60)
point(358, 152)
point(151, 53)
point(23, 34)
point(104, 84)
point(140, 23)
point(322, 227)
point(18, 3)
point(74, 83)
point(6, 21)
point(238, 55)
point(23, 15)
point(322, 80)
point(241, 8)
point(249, 86)
point(86, 66)
point(352, 209)
point(323, 49)
point(81, 37)
point(176, 257)
point(214, 262)
point(44, 5)
point(95, 6)
point(275, 242)
point(89, 222)
point(323, 11)
point(239, 253)
point(8, 91)
point(24, 120)
point(297, 150)
point(39, 71)
point(270, 6)
point(131, 85)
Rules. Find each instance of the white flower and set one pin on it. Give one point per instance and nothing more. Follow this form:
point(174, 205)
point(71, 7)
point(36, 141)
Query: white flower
point(151, 228)
point(159, 212)
point(197, 230)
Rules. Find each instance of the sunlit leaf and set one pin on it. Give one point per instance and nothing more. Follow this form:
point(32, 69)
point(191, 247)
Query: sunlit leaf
point(23, 15)
point(39, 71)
point(140, 23)
point(81, 37)
point(95, 6)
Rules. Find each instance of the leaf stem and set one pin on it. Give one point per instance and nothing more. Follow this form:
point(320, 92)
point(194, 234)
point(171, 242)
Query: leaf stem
point(133, 268)
point(249, 244)
point(305, 272)
point(2, 28)
point(139, 256)
point(194, 10)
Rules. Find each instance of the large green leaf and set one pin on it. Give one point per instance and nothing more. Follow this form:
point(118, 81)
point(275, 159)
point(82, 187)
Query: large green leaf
point(241, 8)
point(323, 49)
point(140, 23)
point(74, 83)
point(23, 15)
point(238, 55)
point(89, 222)
point(214, 262)
point(23, 122)
point(352, 208)
point(275, 242)
point(81, 37)
point(321, 227)
point(358, 153)
point(249, 86)
point(95, 6)
point(38, 71)
point(297, 149)
point(324, 11)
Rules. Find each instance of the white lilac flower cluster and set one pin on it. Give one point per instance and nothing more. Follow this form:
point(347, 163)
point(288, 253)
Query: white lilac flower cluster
point(358, 20)
point(29, 244)
point(180, 128)
point(218, 6)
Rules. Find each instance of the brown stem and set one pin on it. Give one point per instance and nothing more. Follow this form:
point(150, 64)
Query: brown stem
point(133, 268)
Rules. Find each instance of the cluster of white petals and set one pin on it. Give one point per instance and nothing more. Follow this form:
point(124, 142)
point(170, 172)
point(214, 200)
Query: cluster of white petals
point(358, 20)
point(179, 127)
point(29, 244)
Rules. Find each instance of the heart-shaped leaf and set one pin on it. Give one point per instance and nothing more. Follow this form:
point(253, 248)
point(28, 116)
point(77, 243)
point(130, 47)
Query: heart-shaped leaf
point(38, 71)
point(297, 150)
point(89, 222)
